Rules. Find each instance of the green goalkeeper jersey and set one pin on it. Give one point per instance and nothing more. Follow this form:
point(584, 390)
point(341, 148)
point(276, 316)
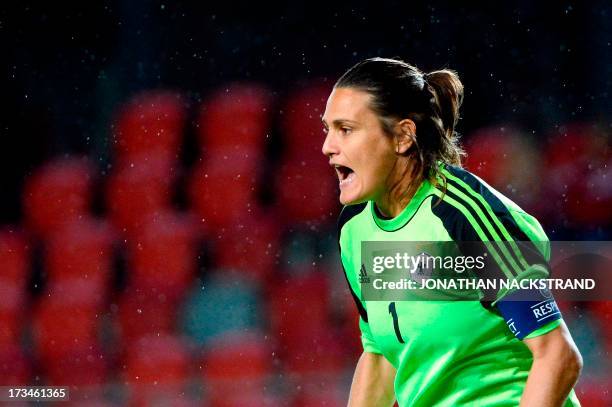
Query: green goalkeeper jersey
point(449, 353)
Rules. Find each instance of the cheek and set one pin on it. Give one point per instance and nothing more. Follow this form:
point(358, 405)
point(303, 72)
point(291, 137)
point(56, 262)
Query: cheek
point(380, 171)
point(379, 165)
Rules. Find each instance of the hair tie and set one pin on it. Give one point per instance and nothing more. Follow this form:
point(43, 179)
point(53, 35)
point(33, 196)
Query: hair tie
point(425, 83)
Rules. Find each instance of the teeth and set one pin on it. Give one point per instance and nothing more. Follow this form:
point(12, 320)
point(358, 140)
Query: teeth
point(348, 179)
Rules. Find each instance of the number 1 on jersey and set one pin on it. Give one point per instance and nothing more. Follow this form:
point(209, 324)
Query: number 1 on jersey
point(393, 313)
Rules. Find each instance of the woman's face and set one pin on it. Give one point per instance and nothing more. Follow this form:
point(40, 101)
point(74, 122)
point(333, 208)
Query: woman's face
point(362, 154)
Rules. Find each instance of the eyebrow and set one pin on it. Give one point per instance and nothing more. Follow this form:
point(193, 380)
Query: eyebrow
point(338, 122)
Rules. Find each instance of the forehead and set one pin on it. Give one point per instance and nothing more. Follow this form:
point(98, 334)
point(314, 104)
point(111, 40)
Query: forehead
point(347, 103)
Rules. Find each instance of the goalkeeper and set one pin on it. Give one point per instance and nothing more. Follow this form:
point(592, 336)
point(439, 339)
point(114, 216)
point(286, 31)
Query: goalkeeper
point(390, 137)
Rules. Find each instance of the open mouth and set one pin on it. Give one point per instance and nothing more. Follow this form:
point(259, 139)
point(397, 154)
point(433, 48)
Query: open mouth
point(345, 174)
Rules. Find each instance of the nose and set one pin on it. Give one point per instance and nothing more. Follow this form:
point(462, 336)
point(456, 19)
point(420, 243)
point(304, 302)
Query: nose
point(330, 146)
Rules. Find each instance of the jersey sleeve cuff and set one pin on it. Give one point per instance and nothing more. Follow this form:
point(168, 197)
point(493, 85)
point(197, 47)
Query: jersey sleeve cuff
point(528, 311)
point(370, 348)
point(544, 329)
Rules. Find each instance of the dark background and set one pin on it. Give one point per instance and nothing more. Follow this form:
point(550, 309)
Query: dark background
point(67, 64)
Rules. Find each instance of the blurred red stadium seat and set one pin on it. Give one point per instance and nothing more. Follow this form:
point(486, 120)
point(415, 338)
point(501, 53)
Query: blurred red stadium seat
point(58, 192)
point(137, 190)
point(12, 311)
point(14, 274)
point(307, 191)
point(99, 401)
point(14, 256)
point(15, 367)
point(301, 124)
point(163, 254)
point(507, 160)
point(150, 124)
point(250, 245)
point(224, 189)
point(235, 366)
point(162, 397)
point(575, 143)
point(235, 117)
point(318, 354)
point(255, 398)
point(577, 161)
point(594, 392)
point(84, 365)
point(143, 312)
point(81, 250)
point(66, 315)
point(299, 306)
point(237, 356)
point(157, 370)
point(305, 185)
point(329, 392)
point(80, 292)
point(309, 345)
point(161, 362)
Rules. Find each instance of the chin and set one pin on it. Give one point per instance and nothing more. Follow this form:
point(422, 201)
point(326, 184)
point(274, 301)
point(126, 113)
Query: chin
point(350, 199)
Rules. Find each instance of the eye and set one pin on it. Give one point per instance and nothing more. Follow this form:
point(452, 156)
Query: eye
point(345, 130)
point(325, 130)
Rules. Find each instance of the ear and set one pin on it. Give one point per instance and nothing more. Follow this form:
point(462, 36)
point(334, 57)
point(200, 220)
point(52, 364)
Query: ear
point(405, 135)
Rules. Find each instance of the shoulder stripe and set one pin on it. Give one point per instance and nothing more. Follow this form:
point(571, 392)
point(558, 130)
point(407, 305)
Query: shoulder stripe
point(481, 230)
point(494, 234)
point(498, 207)
point(486, 207)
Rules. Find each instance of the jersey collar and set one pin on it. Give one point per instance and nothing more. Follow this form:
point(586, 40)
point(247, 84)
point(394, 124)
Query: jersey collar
point(406, 214)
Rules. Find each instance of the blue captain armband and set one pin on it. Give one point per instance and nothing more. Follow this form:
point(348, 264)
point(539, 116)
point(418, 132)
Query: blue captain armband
point(525, 316)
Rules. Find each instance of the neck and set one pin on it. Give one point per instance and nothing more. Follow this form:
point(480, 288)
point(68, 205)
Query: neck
point(403, 181)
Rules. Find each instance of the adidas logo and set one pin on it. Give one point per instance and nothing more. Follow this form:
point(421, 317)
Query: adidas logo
point(363, 276)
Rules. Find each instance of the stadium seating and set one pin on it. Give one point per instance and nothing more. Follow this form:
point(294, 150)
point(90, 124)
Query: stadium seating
point(301, 124)
point(61, 321)
point(237, 116)
point(82, 249)
point(299, 309)
point(15, 367)
point(305, 184)
point(138, 190)
point(225, 301)
point(84, 368)
point(143, 312)
point(14, 256)
point(12, 311)
point(508, 159)
point(250, 245)
point(156, 368)
point(305, 192)
point(237, 301)
point(158, 360)
point(58, 192)
point(162, 255)
point(236, 369)
point(151, 123)
point(575, 169)
point(224, 188)
point(14, 275)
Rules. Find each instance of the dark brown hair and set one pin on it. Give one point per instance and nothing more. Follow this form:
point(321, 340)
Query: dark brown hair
point(432, 100)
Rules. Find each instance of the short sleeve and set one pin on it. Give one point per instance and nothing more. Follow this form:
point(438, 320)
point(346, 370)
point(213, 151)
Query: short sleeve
point(544, 329)
point(367, 340)
point(516, 246)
